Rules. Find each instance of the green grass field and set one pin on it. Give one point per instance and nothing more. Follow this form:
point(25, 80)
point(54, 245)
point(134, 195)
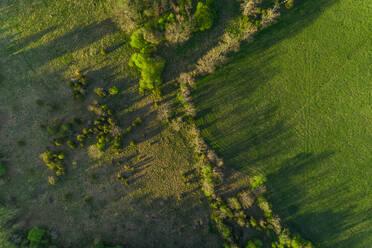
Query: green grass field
point(42, 45)
point(296, 105)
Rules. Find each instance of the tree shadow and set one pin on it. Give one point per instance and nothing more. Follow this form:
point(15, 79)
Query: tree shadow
point(290, 196)
point(239, 120)
point(72, 41)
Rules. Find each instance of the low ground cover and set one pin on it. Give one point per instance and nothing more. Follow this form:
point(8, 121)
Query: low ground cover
point(294, 105)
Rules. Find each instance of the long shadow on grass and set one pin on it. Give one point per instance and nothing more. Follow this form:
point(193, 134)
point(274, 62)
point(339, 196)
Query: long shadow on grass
point(74, 40)
point(243, 125)
point(296, 191)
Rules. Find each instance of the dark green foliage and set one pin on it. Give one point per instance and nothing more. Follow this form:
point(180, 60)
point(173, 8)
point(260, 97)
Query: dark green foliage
point(78, 86)
point(21, 143)
point(66, 197)
point(2, 169)
point(165, 20)
point(52, 107)
point(35, 235)
point(77, 121)
point(224, 230)
point(71, 144)
point(39, 102)
point(54, 128)
point(101, 245)
point(251, 244)
point(88, 200)
point(43, 127)
point(203, 17)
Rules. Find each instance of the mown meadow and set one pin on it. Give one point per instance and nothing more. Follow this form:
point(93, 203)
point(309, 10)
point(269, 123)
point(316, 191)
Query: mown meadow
point(295, 105)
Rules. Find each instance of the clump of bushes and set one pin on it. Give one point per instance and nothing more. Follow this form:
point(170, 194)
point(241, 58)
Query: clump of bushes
point(105, 129)
point(78, 86)
point(54, 161)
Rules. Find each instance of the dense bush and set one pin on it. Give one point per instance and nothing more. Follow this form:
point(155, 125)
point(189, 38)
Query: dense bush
point(258, 180)
point(234, 203)
point(78, 86)
point(178, 32)
point(138, 41)
point(203, 17)
point(151, 70)
point(54, 161)
point(113, 91)
point(36, 237)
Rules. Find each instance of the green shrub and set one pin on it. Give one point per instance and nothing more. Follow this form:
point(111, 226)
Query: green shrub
point(64, 127)
point(258, 242)
point(224, 209)
point(224, 230)
point(150, 68)
point(77, 121)
point(2, 169)
point(113, 91)
point(21, 143)
point(39, 102)
point(289, 4)
point(208, 188)
point(137, 41)
point(258, 181)
point(234, 203)
point(71, 144)
point(100, 92)
point(35, 235)
point(251, 244)
point(203, 17)
point(88, 200)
